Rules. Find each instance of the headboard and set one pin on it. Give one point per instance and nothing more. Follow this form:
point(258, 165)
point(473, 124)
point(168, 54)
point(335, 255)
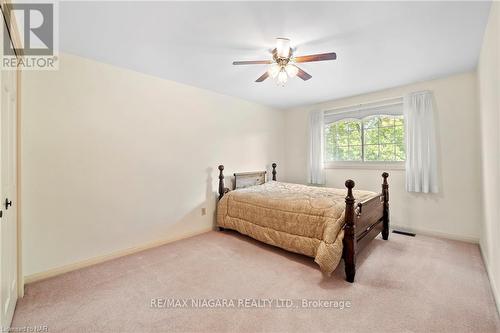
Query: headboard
point(244, 179)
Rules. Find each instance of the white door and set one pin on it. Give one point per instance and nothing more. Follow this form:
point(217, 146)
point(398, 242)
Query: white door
point(8, 220)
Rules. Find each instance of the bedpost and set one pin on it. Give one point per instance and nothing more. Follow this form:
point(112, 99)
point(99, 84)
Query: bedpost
point(221, 181)
point(385, 193)
point(349, 242)
point(274, 170)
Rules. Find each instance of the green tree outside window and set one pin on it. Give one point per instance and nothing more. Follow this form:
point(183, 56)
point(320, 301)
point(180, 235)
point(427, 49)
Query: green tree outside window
point(375, 138)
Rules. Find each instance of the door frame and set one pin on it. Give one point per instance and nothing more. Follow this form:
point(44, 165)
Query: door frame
point(14, 34)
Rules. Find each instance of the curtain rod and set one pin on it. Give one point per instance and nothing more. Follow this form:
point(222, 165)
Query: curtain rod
point(399, 98)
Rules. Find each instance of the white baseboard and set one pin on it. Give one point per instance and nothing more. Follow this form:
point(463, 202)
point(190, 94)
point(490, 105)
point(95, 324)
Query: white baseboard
point(493, 285)
point(440, 234)
point(100, 259)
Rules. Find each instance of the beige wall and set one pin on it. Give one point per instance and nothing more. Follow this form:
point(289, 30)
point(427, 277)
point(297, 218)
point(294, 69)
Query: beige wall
point(489, 101)
point(453, 213)
point(114, 159)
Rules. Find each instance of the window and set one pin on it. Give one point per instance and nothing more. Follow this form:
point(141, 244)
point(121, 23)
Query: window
point(372, 138)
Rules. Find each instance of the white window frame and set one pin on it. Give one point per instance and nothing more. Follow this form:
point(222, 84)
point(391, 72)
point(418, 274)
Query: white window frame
point(359, 112)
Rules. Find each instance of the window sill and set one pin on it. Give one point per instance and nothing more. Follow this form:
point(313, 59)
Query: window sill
point(365, 165)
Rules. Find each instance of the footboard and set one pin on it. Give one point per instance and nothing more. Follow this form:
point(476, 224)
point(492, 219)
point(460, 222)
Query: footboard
point(368, 220)
point(363, 223)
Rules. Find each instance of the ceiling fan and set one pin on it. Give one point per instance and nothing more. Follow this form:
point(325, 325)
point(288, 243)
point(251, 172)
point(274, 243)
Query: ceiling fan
point(283, 64)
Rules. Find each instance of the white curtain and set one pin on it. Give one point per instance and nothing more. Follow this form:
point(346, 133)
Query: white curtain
point(316, 127)
point(421, 157)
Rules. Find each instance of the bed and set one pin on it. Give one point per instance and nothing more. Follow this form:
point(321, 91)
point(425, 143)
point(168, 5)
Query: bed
point(326, 224)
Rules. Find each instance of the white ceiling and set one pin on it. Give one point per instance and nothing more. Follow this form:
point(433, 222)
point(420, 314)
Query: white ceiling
point(378, 44)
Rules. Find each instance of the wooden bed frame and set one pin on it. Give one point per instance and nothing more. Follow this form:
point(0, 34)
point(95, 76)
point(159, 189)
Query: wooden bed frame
point(363, 222)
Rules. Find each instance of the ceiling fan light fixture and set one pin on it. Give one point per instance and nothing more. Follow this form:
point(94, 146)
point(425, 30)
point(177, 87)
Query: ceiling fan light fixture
point(291, 70)
point(283, 47)
point(283, 63)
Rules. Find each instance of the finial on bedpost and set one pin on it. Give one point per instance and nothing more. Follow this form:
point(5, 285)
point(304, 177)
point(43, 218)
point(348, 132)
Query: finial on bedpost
point(350, 185)
point(349, 252)
point(221, 181)
point(385, 218)
point(274, 170)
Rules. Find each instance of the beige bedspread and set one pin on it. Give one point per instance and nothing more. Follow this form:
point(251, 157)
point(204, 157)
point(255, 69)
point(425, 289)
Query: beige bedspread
point(298, 218)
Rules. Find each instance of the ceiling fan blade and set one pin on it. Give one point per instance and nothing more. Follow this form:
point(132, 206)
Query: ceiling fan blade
point(253, 62)
point(303, 75)
point(316, 57)
point(262, 77)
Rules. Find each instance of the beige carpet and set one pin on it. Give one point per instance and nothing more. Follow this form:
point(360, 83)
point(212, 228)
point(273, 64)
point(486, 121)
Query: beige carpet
point(407, 284)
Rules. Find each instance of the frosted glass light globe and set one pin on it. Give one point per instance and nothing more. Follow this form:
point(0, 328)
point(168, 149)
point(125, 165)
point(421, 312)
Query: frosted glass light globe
point(282, 77)
point(273, 70)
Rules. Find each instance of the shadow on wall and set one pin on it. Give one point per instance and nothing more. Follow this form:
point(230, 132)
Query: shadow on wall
point(211, 197)
point(204, 214)
point(199, 218)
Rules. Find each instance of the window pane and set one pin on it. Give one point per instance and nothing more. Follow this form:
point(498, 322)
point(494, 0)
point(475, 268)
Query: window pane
point(355, 134)
point(387, 152)
point(342, 154)
point(371, 122)
point(400, 153)
point(335, 154)
point(341, 126)
point(398, 120)
point(355, 153)
point(371, 136)
point(342, 134)
point(343, 140)
point(399, 135)
point(386, 135)
point(386, 121)
point(329, 154)
point(354, 125)
point(371, 152)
